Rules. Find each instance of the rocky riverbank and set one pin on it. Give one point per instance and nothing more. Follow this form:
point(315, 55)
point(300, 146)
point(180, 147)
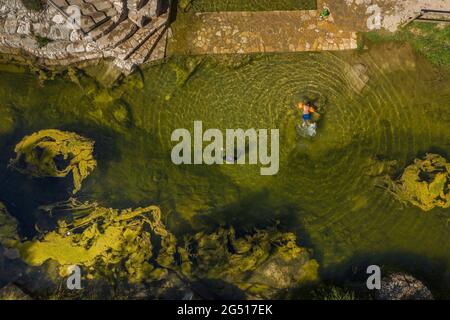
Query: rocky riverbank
point(130, 32)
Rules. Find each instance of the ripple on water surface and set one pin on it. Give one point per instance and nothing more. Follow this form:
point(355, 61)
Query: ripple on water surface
point(322, 189)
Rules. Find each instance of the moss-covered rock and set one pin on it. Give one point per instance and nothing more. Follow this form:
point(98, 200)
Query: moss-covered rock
point(55, 153)
point(260, 264)
point(425, 183)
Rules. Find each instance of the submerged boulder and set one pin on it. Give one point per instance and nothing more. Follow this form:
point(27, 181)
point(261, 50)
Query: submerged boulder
point(399, 286)
point(55, 153)
point(261, 265)
point(13, 292)
point(425, 183)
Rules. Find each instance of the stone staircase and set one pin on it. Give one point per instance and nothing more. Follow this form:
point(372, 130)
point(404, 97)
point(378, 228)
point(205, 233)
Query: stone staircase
point(130, 31)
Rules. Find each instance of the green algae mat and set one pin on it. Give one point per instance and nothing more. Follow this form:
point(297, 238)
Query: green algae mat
point(393, 107)
point(250, 5)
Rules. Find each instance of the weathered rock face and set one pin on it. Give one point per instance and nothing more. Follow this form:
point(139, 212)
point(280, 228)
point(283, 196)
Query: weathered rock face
point(425, 183)
point(55, 153)
point(399, 286)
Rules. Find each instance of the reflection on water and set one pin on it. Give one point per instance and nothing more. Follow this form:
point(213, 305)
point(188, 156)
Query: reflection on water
point(396, 106)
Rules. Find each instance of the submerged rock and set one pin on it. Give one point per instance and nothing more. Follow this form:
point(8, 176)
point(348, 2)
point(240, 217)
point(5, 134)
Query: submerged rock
point(8, 229)
point(357, 76)
point(399, 286)
point(425, 183)
point(259, 265)
point(12, 292)
point(55, 153)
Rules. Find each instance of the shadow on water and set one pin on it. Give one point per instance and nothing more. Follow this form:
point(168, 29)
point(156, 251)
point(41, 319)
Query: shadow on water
point(257, 210)
point(216, 289)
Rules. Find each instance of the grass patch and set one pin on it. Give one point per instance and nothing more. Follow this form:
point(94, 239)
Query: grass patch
point(42, 41)
point(334, 294)
point(429, 39)
point(35, 5)
point(247, 5)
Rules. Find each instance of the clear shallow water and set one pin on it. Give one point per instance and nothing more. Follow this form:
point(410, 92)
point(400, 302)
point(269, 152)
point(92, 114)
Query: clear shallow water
point(322, 190)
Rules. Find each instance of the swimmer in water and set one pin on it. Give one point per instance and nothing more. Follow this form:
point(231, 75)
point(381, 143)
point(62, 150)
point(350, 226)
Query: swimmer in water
point(307, 110)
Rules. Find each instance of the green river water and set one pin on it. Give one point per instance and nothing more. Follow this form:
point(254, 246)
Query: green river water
point(322, 190)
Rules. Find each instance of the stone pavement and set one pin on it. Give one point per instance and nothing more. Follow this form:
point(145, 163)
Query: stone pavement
point(271, 31)
point(294, 31)
point(266, 31)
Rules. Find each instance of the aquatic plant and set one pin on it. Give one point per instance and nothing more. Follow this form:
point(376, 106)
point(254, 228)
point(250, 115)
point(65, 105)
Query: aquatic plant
point(55, 153)
point(334, 293)
point(109, 243)
point(184, 69)
point(134, 245)
point(8, 228)
point(107, 107)
point(425, 183)
point(7, 120)
point(260, 264)
point(185, 4)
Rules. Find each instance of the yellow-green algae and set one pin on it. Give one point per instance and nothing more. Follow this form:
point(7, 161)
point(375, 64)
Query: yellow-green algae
point(121, 244)
point(321, 188)
point(55, 153)
point(425, 183)
point(260, 264)
point(116, 242)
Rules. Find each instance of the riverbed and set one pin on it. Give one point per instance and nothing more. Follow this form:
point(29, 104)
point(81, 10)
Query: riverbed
point(322, 191)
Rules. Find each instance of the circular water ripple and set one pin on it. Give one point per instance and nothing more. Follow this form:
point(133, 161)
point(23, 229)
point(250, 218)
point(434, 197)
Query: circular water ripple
point(324, 178)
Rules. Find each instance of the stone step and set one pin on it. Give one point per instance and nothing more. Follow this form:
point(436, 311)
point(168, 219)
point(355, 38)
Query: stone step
point(159, 52)
point(147, 49)
point(131, 45)
point(102, 30)
point(121, 33)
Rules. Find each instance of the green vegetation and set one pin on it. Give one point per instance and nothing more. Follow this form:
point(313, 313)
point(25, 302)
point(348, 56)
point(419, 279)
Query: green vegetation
point(109, 242)
point(248, 5)
point(55, 153)
point(322, 192)
point(260, 263)
point(8, 228)
point(334, 293)
point(425, 183)
point(42, 41)
point(430, 39)
point(136, 246)
point(36, 5)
